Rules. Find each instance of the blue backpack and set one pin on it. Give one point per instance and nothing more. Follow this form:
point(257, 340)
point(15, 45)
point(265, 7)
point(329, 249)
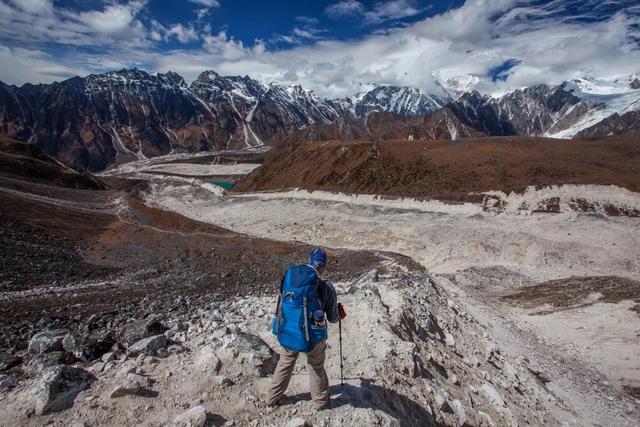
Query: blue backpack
point(294, 324)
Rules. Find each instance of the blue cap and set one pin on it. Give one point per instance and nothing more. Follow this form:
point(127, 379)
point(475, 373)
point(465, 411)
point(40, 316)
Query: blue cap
point(317, 258)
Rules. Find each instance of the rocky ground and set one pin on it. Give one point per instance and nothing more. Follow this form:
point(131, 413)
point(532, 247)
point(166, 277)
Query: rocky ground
point(432, 364)
point(584, 349)
point(130, 305)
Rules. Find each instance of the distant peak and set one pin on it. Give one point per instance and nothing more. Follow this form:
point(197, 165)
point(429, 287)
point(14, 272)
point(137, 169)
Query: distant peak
point(207, 75)
point(172, 78)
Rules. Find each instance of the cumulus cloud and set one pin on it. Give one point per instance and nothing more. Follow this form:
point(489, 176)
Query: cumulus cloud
point(38, 21)
point(25, 65)
point(113, 19)
point(183, 33)
point(548, 43)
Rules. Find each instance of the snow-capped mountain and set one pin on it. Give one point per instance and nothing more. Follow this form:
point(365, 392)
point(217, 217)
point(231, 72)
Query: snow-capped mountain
point(111, 118)
point(403, 101)
point(456, 86)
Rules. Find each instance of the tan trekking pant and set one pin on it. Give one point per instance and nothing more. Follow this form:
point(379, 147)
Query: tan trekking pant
point(318, 381)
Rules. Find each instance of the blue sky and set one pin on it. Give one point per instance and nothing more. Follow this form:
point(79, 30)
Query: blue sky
point(335, 47)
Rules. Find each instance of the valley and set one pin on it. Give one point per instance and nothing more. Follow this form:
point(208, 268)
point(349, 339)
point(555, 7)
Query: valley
point(527, 300)
point(328, 213)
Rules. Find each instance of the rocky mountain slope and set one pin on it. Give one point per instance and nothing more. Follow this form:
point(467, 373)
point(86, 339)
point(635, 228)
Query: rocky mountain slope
point(119, 309)
point(107, 119)
point(71, 247)
point(559, 243)
point(115, 323)
point(432, 365)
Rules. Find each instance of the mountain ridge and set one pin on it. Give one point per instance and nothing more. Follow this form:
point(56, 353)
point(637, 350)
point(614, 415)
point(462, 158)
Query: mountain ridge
point(102, 120)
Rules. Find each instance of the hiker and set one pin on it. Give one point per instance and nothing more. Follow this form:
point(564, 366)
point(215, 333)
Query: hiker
point(305, 304)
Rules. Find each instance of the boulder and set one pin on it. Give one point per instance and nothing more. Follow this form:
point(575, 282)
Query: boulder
point(207, 360)
point(194, 417)
point(130, 384)
point(492, 394)
point(47, 341)
point(57, 388)
point(242, 352)
point(89, 347)
point(148, 345)
point(7, 362)
point(135, 331)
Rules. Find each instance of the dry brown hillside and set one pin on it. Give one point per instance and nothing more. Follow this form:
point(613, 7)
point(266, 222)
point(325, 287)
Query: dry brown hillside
point(448, 170)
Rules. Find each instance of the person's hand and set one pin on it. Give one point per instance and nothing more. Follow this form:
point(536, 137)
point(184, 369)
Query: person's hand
point(342, 312)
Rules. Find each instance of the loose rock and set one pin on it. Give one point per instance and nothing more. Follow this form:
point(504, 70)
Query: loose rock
point(47, 341)
point(135, 331)
point(148, 345)
point(57, 388)
point(194, 417)
point(246, 353)
point(130, 384)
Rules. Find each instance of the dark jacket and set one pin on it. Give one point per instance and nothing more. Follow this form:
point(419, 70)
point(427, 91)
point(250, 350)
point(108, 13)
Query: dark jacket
point(327, 296)
point(329, 300)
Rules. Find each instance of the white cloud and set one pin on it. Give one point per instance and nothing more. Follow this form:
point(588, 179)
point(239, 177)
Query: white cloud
point(184, 34)
point(345, 8)
point(390, 10)
point(471, 39)
point(114, 18)
point(35, 22)
point(36, 7)
point(381, 12)
point(224, 48)
point(299, 35)
point(208, 3)
point(24, 65)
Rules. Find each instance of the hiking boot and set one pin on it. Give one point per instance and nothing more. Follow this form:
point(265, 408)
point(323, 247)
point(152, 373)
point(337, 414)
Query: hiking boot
point(273, 404)
point(321, 405)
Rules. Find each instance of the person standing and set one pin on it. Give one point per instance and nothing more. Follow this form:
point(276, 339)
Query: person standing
point(305, 304)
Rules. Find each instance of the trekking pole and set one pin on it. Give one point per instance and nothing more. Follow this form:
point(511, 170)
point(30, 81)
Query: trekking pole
point(340, 339)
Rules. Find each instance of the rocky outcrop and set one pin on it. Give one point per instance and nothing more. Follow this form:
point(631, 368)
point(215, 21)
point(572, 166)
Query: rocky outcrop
point(627, 123)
